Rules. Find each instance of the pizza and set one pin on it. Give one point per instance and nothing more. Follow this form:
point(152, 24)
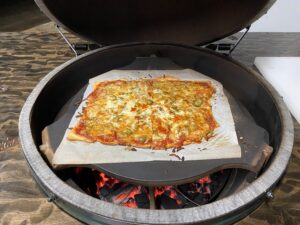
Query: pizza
point(154, 113)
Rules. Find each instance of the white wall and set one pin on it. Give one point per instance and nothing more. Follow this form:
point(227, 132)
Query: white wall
point(284, 16)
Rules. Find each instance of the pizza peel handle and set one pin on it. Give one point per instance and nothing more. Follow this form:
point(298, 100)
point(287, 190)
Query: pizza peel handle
point(252, 139)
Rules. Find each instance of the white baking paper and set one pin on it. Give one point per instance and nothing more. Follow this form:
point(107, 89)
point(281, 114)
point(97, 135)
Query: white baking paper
point(223, 144)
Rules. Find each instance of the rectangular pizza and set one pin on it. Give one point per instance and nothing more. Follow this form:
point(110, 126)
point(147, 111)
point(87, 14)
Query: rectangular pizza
point(159, 113)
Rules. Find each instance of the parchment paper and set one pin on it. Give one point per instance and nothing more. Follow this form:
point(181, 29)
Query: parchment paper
point(223, 144)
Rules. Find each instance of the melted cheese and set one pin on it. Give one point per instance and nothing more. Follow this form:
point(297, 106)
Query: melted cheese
point(155, 114)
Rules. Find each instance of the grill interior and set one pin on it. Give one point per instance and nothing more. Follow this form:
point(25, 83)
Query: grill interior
point(101, 186)
point(241, 83)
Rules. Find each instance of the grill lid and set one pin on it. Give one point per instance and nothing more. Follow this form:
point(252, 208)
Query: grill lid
point(183, 21)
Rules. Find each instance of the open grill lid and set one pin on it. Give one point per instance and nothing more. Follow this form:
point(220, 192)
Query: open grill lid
point(190, 22)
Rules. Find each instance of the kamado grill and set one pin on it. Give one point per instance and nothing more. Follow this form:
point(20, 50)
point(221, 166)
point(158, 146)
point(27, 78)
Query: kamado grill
point(137, 35)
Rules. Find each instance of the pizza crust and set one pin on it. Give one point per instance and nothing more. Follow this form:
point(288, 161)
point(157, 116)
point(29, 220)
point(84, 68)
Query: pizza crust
point(72, 136)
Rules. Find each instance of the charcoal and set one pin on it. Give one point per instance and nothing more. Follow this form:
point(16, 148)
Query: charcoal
point(184, 188)
point(181, 198)
point(198, 185)
point(192, 195)
point(122, 190)
point(86, 181)
point(116, 186)
point(203, 189)
point(189, 205)
point(105, 191)
point(214, 187)
point(116, 190)
point(169, 203)
point(142, 200)
point(143, 197)
point(201, 199)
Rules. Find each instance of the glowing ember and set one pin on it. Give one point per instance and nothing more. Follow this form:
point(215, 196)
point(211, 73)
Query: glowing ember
point(168, 191)
point(128, 199)
point(130, 203)
point(78, 170)
point(102, 180)
point(136, 196)
point(204, 180)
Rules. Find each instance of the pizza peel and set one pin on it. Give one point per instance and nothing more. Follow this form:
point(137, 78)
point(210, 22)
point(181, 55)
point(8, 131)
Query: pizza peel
point(252, 138)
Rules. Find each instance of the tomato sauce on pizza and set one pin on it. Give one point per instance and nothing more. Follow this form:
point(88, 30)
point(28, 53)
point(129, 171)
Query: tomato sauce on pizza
point(156, 113)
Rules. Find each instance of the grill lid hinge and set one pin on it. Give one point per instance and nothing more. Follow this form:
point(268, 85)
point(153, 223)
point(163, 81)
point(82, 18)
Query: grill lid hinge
point(239, 40)
point(51, 198)
point(227, 48)
point(78, 49)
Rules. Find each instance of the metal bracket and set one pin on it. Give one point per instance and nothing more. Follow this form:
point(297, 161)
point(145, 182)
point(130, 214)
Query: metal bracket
point(66, 40)
point(78, 49)
point(227, 48)
point(239, 40)
point(270, 195)
point(51, 198)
